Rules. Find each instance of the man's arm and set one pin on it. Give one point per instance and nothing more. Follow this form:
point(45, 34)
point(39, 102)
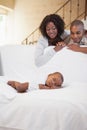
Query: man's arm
point(77, 48)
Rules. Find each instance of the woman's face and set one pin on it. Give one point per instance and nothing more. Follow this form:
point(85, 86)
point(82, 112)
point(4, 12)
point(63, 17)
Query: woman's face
point(51, 30)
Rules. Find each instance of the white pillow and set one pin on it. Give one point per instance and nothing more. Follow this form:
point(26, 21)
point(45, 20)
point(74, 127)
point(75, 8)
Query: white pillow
point(17, 60)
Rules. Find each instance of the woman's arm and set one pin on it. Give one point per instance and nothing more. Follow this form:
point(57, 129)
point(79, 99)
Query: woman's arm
point(42, 57)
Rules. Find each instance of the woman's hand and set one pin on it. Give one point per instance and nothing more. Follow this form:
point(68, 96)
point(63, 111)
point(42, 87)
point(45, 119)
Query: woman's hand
point(63, 44)
point(59, 46)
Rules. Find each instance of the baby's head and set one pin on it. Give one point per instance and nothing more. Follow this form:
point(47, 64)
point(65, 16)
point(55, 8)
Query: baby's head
point(54, 80)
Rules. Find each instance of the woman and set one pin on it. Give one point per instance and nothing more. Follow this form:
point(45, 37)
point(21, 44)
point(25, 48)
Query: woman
point(52, 30)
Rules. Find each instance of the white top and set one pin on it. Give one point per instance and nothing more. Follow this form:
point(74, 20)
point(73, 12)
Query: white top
point(40, 57)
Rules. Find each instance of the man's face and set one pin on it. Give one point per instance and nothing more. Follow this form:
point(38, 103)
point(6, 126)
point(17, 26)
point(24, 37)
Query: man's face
point(77, 33)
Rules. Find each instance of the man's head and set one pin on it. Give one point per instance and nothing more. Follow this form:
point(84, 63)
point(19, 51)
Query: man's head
point(54, 80)
point(77, 31)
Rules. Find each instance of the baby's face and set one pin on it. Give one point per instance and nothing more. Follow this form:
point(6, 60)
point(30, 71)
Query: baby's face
point(54, 80)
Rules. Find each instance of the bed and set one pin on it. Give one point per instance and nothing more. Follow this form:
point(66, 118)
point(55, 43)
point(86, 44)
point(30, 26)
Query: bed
point(58, 109)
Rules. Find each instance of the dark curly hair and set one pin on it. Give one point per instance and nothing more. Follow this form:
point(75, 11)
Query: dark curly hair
point(58, 22)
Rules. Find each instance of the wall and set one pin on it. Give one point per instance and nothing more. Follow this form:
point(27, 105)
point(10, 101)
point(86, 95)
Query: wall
point(29, 13)
point(26, 17)
point(85, 23)
point(6, 8)
point(7, 3)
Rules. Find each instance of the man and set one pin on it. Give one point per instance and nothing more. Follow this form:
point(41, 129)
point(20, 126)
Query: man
point(77, 38)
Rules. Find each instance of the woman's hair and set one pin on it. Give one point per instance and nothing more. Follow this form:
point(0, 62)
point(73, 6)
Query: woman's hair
point(58, 22)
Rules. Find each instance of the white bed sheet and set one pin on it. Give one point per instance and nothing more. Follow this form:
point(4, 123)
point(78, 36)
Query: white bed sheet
point(61, 109)
point(73, 65)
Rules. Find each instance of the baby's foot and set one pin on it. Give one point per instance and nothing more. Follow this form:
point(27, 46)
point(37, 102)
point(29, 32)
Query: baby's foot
point(14, 84)
point(20, 87)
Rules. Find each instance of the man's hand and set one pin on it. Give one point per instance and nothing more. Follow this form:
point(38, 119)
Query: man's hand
point(74, 47)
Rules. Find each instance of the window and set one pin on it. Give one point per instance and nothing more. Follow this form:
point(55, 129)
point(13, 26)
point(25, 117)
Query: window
point(3, 29)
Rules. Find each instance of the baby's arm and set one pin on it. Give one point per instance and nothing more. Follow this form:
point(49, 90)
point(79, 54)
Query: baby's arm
point(43, 86)
point(20, 87)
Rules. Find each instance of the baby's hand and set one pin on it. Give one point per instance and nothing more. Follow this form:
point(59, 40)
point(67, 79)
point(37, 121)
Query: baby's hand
point(55, 87)
point(42, 86)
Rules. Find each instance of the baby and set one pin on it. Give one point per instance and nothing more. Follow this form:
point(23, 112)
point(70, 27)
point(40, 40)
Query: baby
point(53, 81)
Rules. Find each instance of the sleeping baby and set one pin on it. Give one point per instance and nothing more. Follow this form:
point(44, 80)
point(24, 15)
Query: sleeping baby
point(53, 81)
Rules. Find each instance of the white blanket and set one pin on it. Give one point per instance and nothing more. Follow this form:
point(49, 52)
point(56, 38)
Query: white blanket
point(73, 65)
point(64, 109)
point(59, 109)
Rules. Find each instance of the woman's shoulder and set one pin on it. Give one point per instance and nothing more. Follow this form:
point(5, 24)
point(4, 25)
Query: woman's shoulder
point(43, 41)
point(43, 38)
